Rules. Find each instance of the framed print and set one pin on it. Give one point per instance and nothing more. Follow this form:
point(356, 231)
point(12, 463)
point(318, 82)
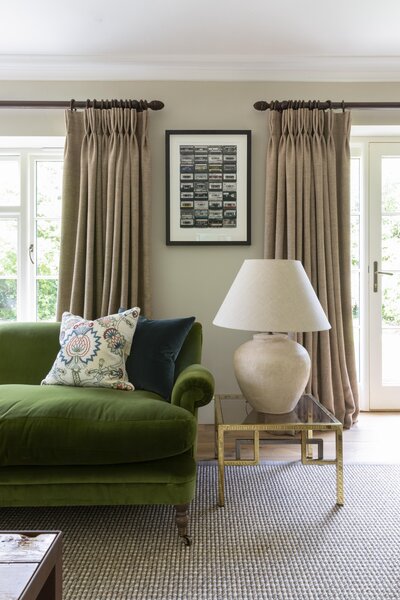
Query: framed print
point(208, 185)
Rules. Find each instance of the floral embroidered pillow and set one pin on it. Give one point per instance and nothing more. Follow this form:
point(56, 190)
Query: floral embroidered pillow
point(93, 353)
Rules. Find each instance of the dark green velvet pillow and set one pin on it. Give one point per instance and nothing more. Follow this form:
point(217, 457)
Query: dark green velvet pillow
point(155, 347)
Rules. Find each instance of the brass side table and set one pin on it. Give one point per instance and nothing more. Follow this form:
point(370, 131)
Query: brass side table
point(235, 414)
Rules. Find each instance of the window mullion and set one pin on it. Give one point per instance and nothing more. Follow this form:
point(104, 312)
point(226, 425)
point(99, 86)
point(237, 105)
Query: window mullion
point(25, 283)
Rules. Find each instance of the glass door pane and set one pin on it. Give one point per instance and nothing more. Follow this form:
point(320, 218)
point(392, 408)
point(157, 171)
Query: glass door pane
point(8, 268)
point(355, 197)
point(48, 175)
point(385, 276)
point(9, 181)
point(390, 261)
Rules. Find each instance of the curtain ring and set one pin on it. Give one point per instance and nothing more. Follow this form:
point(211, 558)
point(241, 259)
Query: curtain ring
point(88, 103)
point(72, 105)
point(329, 104)
point(343, 107)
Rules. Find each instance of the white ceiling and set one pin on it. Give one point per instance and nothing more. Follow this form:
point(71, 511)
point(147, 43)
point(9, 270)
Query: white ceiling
point(314, 40)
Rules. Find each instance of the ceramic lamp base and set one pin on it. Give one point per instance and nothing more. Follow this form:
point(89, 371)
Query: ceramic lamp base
point(272, 372)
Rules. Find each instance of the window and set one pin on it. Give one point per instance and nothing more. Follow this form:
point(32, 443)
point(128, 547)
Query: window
point(30, 220)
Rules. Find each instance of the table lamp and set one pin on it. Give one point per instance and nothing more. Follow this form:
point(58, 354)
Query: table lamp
point(273, 297)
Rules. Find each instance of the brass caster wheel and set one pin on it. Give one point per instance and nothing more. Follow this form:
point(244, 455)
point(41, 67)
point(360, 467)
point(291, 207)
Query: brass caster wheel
point(186, 540)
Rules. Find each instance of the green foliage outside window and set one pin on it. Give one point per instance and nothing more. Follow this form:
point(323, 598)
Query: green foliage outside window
point(48, 240)
point(8, 299)
point(390, 285)
point(46, 299)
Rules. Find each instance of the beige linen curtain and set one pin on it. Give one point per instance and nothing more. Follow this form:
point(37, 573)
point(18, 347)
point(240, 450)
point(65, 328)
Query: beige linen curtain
point(104, 259)
point(308, 218)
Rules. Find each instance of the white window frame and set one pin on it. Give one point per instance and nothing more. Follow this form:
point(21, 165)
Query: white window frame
point(29, 150)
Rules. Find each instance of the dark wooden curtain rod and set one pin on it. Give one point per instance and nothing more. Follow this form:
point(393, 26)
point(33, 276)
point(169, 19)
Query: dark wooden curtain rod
point(327, 104)
point(74, 104)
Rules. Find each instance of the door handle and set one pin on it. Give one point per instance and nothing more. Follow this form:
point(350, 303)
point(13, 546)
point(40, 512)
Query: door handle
point(376, 273)
point(31, 254)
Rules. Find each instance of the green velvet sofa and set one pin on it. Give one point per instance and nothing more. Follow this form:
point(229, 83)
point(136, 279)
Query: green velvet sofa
point(64, 445)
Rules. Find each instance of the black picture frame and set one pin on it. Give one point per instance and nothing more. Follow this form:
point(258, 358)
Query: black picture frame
point(208, 187)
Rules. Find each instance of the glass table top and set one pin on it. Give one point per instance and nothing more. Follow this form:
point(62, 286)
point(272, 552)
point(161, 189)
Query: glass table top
point(237, 411)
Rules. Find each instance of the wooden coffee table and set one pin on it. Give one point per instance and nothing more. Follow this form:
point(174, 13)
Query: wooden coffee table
point(30, 565)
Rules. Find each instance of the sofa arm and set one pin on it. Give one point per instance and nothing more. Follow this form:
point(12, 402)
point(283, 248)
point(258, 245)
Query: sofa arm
point(193, 388)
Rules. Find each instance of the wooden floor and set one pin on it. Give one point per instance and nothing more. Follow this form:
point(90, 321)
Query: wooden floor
point(375, 439)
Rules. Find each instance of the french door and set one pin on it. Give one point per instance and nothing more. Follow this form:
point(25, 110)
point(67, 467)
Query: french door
point(384, 276)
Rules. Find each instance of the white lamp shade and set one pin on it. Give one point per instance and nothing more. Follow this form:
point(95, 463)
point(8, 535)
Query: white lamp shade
point(272, 295)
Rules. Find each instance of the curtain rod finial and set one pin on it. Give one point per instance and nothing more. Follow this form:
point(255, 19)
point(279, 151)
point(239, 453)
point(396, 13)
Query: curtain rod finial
point(155, 104)
point(261, 105)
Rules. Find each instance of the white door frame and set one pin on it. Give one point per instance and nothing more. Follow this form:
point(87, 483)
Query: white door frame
point(381, 397)
point(362, 139)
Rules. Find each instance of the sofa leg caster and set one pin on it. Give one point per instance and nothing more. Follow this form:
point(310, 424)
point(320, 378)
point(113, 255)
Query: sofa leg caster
point(182, 522)
point(187, 540)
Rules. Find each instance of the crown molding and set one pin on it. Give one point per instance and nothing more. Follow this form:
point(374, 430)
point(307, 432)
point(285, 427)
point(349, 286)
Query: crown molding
point(201, 68)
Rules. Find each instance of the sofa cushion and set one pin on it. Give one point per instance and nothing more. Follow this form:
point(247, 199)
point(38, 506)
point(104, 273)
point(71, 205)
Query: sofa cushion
point(61, 425)
point(93, 352)
point(157, 343)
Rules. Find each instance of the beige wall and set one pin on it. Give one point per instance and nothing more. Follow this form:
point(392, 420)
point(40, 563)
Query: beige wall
point(193, 280)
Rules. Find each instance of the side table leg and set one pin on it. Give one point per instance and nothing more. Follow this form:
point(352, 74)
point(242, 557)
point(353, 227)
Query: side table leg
point(215, 430)
point(256, 446)
point(309, 452)
point(339, 467)
point(303, 434)
point(221, 467)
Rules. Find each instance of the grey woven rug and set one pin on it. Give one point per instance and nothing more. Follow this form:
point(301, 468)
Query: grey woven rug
point(280, 536)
